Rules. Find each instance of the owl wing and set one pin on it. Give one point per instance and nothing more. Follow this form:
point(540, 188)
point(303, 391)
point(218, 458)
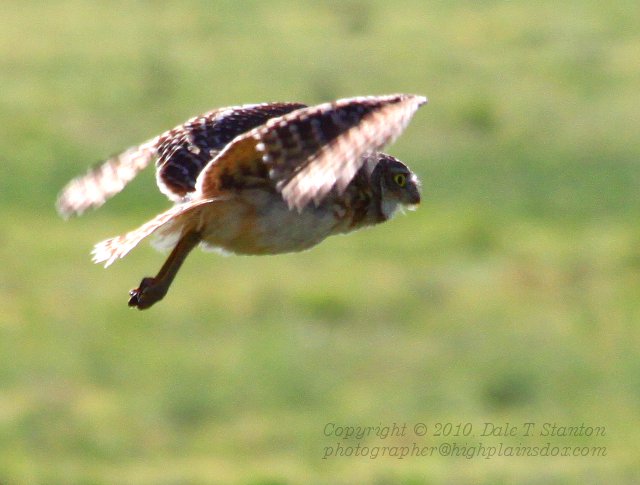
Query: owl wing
point(102, 182)
point(184, 151)
point(309, 151)
point(181, 154)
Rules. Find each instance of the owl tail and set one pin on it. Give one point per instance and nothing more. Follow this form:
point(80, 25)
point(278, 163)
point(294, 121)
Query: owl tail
point(104, 181)
point(169, 225)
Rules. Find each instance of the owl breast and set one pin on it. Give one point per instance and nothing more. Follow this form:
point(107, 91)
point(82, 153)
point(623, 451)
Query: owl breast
point(260, 222)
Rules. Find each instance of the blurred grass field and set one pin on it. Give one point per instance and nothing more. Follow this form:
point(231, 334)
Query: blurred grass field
point(511, 295)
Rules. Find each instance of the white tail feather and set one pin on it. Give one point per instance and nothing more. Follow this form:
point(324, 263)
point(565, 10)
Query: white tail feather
point(169, 221)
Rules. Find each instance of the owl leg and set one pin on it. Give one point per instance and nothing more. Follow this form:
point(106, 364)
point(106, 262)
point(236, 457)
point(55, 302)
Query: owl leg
point(153, 289)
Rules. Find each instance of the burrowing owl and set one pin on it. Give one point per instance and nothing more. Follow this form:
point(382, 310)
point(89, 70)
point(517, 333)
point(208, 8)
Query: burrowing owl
point(259, 179)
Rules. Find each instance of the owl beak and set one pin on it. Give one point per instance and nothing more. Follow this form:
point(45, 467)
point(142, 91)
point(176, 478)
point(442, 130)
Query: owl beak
point(413, 196)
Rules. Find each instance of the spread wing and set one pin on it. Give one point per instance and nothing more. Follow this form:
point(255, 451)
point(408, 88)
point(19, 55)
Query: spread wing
point(309, 151)
point(181, 154)
point(102, 182)
point(184, 151)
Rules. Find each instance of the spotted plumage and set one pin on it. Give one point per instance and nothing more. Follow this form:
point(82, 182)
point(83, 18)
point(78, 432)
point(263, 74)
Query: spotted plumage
point(184, 151)
point(259, 179)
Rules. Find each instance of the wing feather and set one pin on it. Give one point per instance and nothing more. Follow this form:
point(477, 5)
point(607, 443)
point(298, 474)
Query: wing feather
point(181, 154)
point(309, 151)
point(184, 151)
point(104, 181)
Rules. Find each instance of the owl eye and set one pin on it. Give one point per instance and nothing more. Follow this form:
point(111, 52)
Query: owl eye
point(400, 179)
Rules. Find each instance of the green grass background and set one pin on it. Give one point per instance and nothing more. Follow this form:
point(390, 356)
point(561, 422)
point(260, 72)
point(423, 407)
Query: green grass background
point(511, 295)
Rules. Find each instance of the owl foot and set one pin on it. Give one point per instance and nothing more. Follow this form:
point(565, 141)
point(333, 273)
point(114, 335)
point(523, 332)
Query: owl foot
point(149, 292)
point(152, 290)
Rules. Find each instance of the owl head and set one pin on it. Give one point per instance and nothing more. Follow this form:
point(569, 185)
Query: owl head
point(396, 186)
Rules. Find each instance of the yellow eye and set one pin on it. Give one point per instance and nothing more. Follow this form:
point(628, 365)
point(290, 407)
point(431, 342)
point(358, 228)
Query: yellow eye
point(400, 179)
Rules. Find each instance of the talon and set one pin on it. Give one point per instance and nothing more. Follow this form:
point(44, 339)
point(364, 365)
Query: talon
point(148, 293)
point(135, 294)
point(152, 290)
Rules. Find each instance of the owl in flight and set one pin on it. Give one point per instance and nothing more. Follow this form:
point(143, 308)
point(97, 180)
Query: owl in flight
point(259, 179)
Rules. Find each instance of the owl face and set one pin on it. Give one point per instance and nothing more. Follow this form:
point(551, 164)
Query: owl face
point(398, 186)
